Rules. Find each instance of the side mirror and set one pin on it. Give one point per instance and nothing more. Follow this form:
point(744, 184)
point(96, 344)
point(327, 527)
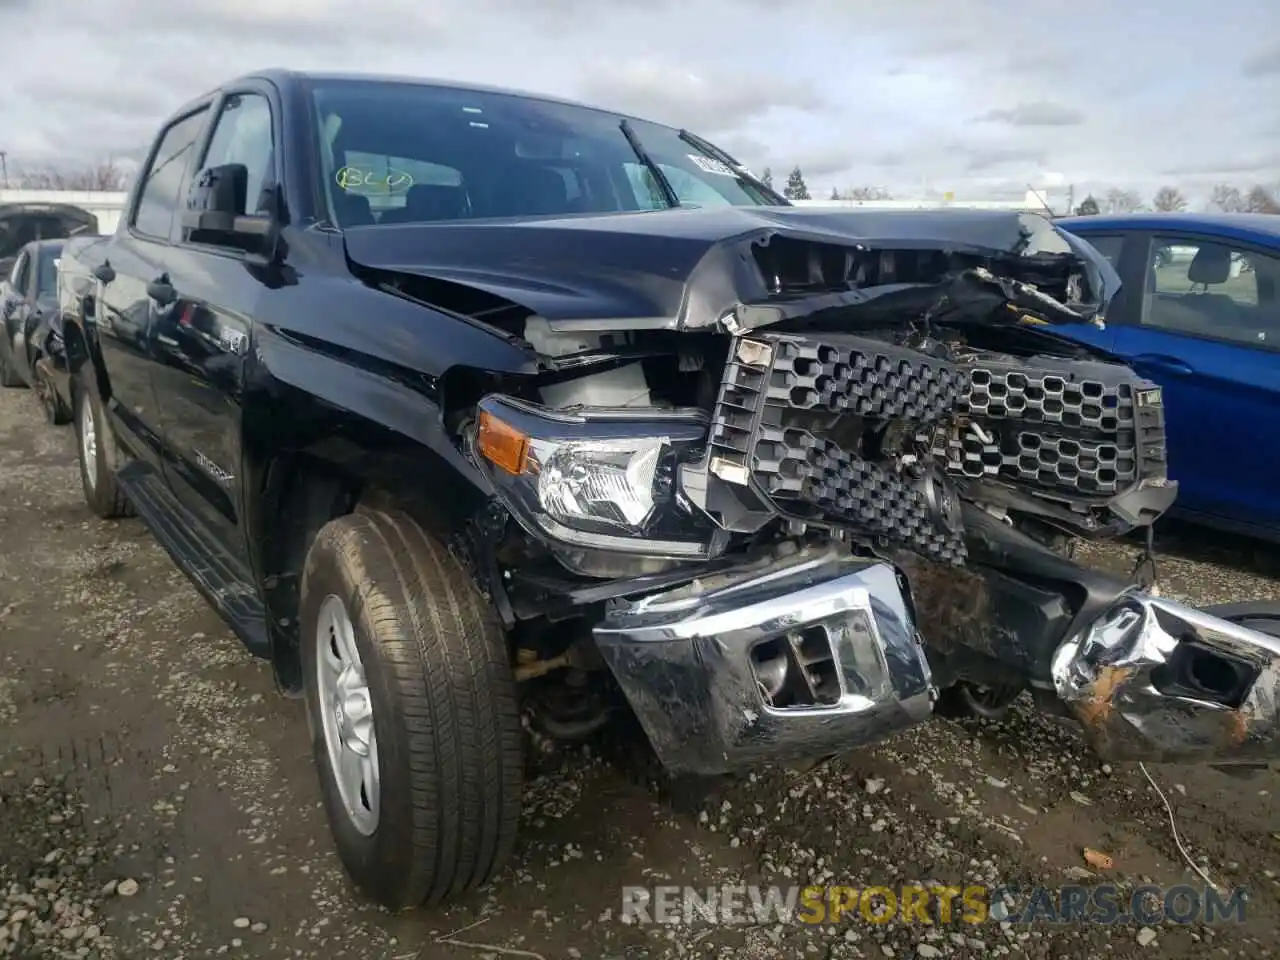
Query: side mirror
point(215, 211)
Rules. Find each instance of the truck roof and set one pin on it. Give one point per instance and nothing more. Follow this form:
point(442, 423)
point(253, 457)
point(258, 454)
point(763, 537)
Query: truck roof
point(286, 79)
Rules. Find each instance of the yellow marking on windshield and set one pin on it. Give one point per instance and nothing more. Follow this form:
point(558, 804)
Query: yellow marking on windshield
point(370, 182)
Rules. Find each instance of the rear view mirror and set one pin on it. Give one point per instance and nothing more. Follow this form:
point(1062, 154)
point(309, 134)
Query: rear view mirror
point(215, 211)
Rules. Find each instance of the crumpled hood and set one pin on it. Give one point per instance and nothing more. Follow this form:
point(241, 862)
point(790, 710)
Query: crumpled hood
point(688, 268)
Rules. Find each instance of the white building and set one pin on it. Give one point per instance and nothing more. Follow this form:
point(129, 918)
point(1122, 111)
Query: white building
point(1032, 202)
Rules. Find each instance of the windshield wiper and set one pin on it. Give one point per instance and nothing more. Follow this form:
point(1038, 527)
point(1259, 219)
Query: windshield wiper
point(716, 153)
point(668, 193)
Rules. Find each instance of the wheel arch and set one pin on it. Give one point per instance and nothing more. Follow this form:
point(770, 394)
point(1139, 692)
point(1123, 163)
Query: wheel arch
point(82, 348)
point(363, 441)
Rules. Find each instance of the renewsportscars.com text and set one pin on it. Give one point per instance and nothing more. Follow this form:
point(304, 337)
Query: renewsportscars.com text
point(1102, 904)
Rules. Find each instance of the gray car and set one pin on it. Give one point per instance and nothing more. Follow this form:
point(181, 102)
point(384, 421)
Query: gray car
point(31, 328)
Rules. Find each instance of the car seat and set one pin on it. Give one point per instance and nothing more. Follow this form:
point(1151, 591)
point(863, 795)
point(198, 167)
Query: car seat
point(427, 202)
point(352, 210)
point(1211, 266)
point(532, 190)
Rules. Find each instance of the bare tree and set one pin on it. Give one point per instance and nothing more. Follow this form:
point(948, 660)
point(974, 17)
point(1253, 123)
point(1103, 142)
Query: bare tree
point(1262, 200)
point(1123, 201)
point(1227, 198)
point(868, 193)
point(103, 176)
point(1169, 200)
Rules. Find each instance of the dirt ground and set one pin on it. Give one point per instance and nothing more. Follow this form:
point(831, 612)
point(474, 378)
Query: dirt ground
point(157, 797)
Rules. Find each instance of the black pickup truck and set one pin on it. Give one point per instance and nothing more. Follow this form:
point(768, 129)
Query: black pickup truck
point(475, 412)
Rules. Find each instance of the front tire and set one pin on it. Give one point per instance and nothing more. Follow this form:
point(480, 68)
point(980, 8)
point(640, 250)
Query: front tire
point(51, 405)
point(8, 375)
point(411, 706)
point(94, 441)
point(964, 699)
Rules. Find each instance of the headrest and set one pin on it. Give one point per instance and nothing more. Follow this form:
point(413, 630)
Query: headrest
point(352, 209)
point(531, 189)
point(1211, 264)
point(434, 201)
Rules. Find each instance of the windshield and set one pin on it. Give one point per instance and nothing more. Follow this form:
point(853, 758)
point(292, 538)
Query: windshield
point(395, 152)
point(47, 271)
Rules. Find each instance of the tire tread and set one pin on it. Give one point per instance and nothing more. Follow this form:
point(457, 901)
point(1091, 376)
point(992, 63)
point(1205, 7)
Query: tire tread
point(443, 652)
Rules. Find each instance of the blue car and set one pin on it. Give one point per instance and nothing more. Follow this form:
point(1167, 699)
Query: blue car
point(1199, 314)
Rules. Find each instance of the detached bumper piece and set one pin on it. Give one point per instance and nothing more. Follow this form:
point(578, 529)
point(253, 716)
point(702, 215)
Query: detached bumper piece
point(795, 662)
point(1084, 435)
point(791, 410)
point(1152, 679)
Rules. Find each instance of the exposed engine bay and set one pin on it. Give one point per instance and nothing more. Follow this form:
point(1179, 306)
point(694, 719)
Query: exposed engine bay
point(876, 431)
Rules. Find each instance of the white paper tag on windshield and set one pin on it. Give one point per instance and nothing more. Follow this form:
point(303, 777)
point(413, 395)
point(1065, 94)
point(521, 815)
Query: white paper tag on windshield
point(708, 165)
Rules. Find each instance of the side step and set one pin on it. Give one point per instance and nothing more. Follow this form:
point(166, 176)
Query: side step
point(221, 578)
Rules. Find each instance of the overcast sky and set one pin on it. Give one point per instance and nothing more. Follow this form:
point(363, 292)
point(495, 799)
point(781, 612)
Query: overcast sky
point(976, 96)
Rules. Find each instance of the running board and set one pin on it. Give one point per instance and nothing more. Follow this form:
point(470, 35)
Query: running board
point(220, 577)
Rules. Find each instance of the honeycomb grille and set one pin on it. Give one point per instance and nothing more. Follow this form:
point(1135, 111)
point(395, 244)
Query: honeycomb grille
point(1077, 429)
point(1044, 397)
point(778, 395)
point(864, 377)
point(814, 479)
point(793, 414)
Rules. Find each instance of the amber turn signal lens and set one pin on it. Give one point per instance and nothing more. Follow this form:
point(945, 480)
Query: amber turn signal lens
point(502, 444)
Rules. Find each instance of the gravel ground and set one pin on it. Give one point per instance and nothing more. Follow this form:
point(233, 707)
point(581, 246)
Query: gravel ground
point(157, 798)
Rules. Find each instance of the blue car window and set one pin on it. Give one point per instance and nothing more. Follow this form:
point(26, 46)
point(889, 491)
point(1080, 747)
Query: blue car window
point(1109, 246)
point(1212, 290)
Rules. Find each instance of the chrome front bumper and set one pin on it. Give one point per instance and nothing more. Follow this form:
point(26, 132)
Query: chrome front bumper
point(795, 661)
point(1152, 679)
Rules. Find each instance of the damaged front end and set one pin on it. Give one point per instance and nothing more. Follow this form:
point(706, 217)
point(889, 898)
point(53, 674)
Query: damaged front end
point(834, 476)
point(1153, 679)
point(809, 656)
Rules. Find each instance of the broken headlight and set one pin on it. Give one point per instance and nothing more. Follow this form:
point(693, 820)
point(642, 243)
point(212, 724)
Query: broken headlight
point(598, 486)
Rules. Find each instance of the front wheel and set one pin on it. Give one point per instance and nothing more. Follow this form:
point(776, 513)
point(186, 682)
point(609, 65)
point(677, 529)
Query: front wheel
point(411, 705)
point(97, 455)
point(51, 405)
point(965, 699)
point(8, 375)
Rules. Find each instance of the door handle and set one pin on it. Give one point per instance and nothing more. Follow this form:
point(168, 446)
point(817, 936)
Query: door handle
point(104, 271)
point(1165, 362)
point(161, 290)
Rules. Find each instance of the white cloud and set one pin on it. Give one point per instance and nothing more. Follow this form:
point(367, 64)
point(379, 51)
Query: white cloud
point(716, 100)
point(1041, 113)
point(1104, 92)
